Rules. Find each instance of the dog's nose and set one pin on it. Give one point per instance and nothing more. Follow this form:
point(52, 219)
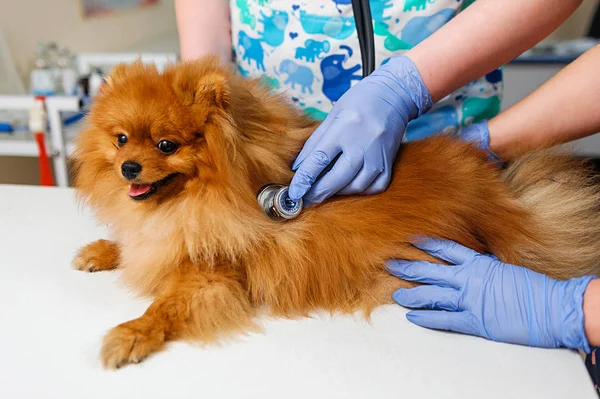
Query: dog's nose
point(131, 169)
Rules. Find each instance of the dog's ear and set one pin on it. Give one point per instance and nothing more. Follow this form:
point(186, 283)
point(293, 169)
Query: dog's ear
point(202, 83)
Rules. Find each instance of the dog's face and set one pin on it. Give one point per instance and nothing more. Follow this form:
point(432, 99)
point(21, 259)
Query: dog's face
point(194, 133)
point(153, 133)
point(151, 154)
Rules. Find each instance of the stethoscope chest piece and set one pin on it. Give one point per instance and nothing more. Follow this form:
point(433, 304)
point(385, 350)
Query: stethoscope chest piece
point(277, 204)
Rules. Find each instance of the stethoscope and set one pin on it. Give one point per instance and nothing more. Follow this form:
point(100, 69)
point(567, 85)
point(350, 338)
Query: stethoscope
point(364, 28)
point(274, 198)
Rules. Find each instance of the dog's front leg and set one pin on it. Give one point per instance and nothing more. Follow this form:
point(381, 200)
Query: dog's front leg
point(192, 305)
point(98, 256)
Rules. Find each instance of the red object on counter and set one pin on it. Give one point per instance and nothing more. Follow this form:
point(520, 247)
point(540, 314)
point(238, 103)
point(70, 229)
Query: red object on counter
point(46, 178)
point(37, 125)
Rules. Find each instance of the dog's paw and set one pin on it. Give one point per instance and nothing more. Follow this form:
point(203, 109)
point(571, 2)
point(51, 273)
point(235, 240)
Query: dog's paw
point(97, 256)
point(126, 344)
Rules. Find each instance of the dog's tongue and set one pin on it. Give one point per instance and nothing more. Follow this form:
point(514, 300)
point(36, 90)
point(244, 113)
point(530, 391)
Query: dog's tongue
point(138, 189)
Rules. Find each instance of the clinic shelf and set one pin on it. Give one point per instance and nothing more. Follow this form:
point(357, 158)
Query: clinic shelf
point(19, 144)
point(22, 143)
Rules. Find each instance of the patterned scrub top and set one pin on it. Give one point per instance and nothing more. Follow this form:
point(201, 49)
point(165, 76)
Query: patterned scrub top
point(310, 49)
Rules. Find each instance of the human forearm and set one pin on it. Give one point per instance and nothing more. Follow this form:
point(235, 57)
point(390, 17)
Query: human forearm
point(591, 312)
point(204, 28)
point(565, 108)
point(486, 35)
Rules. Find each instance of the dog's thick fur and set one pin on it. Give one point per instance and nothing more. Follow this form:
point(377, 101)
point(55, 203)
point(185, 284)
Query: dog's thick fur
point(203, 248)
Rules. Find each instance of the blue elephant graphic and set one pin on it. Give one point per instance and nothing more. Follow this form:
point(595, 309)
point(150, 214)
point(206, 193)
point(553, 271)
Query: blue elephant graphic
point(297, 74)
point(336, 79)
point(269, 82)
point(242, 71)
point(420, 28)
point(273, 32)
point(338, 27)
point(435, 121)
point(377, 10)
point(417, 5)
point(495, 76)
point(252, 50)
point(246, 16)
point(341, 2)
point(381, 26)
point(312, 49)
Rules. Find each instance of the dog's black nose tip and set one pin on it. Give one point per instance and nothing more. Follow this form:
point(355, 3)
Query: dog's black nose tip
point(131, 169)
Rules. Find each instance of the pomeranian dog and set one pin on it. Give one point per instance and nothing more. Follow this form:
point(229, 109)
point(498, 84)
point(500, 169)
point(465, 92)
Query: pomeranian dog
point(172, 162)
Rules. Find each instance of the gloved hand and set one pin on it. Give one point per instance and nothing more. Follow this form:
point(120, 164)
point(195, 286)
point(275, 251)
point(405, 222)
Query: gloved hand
point(482, 296)
point(366, 127)
point(479, 134)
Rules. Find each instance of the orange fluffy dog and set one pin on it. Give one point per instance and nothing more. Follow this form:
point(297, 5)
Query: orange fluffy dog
point(172, 163)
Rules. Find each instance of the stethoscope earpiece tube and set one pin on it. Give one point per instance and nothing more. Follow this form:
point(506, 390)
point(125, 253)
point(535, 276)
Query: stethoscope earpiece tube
point(366, 40)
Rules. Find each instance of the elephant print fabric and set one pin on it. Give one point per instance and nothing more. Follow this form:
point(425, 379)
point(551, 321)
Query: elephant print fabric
point(309, 49)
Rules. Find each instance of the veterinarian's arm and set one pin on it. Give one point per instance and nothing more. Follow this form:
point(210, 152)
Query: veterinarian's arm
point(565, 108)
point(204, 28)
point(367, 124)
point(482, 296)
point(591, 312)
point(489, 33)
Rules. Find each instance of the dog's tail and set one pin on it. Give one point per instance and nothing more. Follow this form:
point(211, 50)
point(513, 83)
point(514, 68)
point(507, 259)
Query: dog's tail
point(563, 195)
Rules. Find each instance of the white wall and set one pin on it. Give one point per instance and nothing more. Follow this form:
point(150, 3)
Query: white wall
point(24, 22)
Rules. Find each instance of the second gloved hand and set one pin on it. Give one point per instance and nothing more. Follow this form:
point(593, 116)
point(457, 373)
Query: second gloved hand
point(482, 296)
point(479, 135)
point(365, 127)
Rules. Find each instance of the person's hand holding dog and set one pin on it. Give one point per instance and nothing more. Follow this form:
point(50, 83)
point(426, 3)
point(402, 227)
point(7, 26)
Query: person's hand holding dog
point(365, 127)
point(479, 135)
point(479, 295)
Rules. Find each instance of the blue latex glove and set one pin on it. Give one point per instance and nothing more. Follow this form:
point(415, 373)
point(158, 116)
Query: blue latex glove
point(482, 296)
point(479, 134)
point(366, 126)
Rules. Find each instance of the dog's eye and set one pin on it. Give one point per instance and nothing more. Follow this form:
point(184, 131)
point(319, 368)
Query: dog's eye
point(121, 139)
point(167, 147)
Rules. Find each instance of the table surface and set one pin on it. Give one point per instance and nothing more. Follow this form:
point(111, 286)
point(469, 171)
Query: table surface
point(53, 320)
